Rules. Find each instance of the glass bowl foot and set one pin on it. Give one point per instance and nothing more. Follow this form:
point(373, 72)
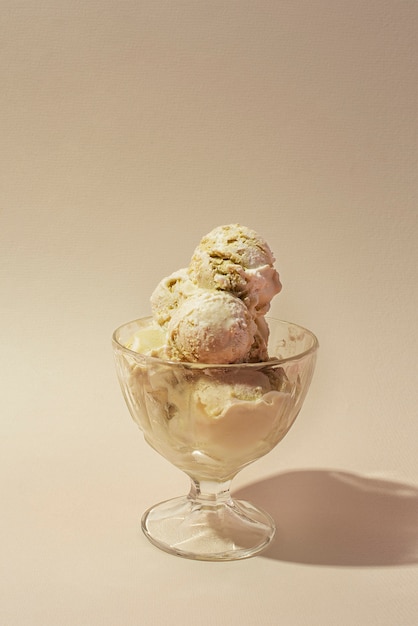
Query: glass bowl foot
point(210, 531)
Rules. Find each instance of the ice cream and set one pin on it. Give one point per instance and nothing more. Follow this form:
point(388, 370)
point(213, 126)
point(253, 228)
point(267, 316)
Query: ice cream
point(213, 399)
point(211, 327)
point(236, 259)
point(210, 421)
point(213, 310)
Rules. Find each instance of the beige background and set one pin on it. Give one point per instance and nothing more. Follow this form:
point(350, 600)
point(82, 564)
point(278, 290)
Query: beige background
point(128, 130)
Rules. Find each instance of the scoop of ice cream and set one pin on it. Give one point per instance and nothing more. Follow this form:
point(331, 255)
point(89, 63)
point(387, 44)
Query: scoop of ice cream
point(236, 259)
point(217, 391)
point(211, 327)
point(210, 420)
point(169, 294)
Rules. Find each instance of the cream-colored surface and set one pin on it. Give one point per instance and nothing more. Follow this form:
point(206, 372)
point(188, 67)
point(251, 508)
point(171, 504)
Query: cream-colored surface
point(128, 130)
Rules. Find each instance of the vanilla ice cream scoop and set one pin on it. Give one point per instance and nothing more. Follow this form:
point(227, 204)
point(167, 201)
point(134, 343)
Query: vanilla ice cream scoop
point(236, 259)
point(211, 327)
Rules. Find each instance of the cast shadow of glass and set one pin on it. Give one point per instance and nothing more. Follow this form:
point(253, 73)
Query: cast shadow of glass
point(330, 517)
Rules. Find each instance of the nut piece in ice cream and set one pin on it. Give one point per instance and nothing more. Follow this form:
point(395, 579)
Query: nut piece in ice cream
point(236, 259)
point(211, 327)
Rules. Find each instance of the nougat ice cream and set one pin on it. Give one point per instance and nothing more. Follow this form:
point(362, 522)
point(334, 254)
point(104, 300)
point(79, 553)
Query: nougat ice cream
point(211, 398)
point(237, 260)
point(211, 327)
point(213, 310)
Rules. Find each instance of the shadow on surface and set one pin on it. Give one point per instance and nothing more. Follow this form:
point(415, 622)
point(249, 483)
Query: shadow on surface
point(329, 517)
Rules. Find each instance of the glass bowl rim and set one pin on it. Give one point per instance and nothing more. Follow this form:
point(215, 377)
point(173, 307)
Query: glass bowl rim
point(199, 366)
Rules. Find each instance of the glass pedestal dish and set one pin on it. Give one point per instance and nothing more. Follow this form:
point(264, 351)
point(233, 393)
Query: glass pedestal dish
point(210, 421)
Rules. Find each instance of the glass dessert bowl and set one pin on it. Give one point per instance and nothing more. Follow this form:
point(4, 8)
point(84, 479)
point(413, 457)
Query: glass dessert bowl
point(210, 421)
